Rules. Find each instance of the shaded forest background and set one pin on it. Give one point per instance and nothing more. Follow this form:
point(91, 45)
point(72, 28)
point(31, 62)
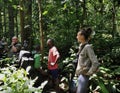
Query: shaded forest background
point(61, 20)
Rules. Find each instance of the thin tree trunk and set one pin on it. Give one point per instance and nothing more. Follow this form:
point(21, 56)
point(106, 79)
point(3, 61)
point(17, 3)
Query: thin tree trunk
point(113, 19)
point(84, 14)
point(16, 20)
point(77, 14)
point(28, 23)
point(1, 27)
point(4, 23)
point(40, 26)
point(22, 20)
point(11, 21)
point(101, 13)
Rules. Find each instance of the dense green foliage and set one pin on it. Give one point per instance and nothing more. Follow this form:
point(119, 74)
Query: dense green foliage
point(16, 81)
point(106, 80)
point(62, 19)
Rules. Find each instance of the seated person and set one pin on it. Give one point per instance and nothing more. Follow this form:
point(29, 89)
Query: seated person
point(15, 47)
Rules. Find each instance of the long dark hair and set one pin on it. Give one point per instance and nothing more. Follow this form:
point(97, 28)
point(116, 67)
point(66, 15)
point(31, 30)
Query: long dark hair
point(86, 32)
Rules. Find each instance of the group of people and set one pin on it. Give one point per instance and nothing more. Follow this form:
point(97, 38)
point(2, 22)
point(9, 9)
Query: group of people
point(87, 62)
point(11, 50)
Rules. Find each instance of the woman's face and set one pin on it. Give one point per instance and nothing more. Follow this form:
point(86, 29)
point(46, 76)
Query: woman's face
point(80, 37)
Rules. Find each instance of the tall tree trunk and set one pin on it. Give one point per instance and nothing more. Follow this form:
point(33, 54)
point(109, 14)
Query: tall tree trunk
point(28, 23)
point(40, 28)
point(77, 14)
point(84, 14)
point(16, 23)
point(4, 17)
point(21, 2)
point(101, 13)
point(1, 27)
point(11, 21)
point(113, 19)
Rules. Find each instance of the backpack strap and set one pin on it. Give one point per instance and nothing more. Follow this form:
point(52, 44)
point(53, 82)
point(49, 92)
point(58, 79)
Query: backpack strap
point(81, 48)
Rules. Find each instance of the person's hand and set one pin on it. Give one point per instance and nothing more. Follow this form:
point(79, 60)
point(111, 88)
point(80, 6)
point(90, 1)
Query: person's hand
point(52, 63)
point(12, 43)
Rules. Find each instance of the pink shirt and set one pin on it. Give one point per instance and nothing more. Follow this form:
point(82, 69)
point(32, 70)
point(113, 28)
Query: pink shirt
point(53, 54)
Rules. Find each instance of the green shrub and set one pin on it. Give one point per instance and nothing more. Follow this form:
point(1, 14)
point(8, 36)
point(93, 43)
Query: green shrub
point(15, 80)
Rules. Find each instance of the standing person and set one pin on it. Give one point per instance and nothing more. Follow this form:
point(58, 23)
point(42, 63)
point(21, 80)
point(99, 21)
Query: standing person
point(37, 57)
point(15, 47)
point(87, 61)
point(52, 63)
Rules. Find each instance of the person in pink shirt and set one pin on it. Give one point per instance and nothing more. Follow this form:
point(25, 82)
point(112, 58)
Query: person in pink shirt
point(52, 63)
